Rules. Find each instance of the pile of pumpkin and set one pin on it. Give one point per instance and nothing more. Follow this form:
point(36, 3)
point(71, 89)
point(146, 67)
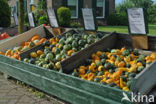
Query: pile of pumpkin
point(33, 41)
point(58, 49)
point(115, 68)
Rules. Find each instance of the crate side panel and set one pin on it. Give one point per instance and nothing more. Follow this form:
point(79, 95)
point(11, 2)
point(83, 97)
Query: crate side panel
point(17, 40)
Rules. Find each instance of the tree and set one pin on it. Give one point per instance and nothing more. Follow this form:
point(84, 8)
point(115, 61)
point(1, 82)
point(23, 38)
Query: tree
point(21, 16)
point(5, 14)
point(41, 4)
point(142, 3)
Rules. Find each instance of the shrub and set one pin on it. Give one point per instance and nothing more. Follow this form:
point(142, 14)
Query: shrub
point(43, 20)
point(117, 19)
point(39, 13)
point(75, 24)
point(64, 16)
point(5, 14)
point(26, 20)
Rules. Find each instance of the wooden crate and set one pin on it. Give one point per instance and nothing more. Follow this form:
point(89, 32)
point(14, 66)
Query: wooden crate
point(59, 84)
point(17, 40)
point(73, 89)
point(115, 41)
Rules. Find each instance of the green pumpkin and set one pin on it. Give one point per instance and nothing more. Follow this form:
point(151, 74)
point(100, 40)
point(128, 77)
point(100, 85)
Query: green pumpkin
point(125, 52)
point(74, 44)
point(46, 43)
point(26, 60)
point(31, 44)
point(57, 51)
point(50, 56)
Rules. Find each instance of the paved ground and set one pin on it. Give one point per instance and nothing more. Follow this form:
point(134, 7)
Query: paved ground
point(12, 93)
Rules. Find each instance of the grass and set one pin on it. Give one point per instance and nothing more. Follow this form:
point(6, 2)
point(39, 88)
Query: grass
point(124, 29)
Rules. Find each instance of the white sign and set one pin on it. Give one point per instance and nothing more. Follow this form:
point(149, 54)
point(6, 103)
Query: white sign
point(88, 19)
point(15, 18)
point(136, 21)
point(31, 20)
point(52, 18)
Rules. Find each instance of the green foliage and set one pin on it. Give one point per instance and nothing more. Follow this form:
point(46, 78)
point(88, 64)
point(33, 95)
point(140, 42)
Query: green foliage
point(64, 16)
point(117, 19)
point(43, 20)
point(142, 3)
point(152, 14)
point(75, 24)
point(5, 14)
point(41, 4)
point(26, 20)
point(123, 6)
point(146, 4)
point(39, 13)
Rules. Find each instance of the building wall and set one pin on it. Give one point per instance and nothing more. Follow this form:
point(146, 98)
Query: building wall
point(56, 3)
point(87, 3)
point(111, 6)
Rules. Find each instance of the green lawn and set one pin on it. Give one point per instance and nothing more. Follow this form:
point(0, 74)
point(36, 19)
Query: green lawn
point(124, 29)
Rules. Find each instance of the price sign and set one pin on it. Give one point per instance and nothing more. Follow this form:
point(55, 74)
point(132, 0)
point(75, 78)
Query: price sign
point(31, 19)
point(136, 21)
point(52, 17)
point(15, 18)
point(88, 18)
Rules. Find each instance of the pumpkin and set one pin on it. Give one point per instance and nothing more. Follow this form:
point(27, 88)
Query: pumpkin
point(133, 68)
point(121, 64)
point(35, 37)
point(153, 56)
point(126, 89)
point(139, 64)
point(33, 54)
point(70, 52)
point(39, 52)
point(2, 53)
point(8, 52)
point(82, 71)
point(100, 68)
point(99, 53)
point(122, 84)
point(43, 40)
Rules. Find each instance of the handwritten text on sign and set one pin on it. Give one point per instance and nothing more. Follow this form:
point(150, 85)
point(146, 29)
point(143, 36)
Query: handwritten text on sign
point(136, 21)
point(88, 19)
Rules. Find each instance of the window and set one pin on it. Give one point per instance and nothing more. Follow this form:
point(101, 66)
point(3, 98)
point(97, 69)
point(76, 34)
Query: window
point(100, 8)
point(73, 6)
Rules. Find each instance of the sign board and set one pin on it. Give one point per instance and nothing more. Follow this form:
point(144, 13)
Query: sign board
point(52, 17)
point(136, 20)
point(15, 18)
point(88, 19)
point(31, 19)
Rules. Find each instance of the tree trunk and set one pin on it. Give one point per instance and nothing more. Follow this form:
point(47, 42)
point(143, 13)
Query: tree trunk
point(21, 16)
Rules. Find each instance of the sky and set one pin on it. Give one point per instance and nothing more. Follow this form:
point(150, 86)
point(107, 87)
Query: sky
point(119, 1)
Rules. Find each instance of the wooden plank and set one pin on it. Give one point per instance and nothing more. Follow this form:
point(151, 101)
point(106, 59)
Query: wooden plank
point(92, 87)
point(79, 58)
point(146, 79)
point(17, 40)
point(53, 87)
point(123, 40)
point(140, 42)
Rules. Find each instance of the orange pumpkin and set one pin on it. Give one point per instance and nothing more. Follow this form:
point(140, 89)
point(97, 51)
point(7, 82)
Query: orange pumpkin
point(35, 37)
point(121, 64)
point(43, 40)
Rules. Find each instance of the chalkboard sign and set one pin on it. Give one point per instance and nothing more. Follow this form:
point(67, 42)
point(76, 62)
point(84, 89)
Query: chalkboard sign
point(136, 19)
point(15, 18)
point(89, 19)
point(52, 17)
point(31, 19)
